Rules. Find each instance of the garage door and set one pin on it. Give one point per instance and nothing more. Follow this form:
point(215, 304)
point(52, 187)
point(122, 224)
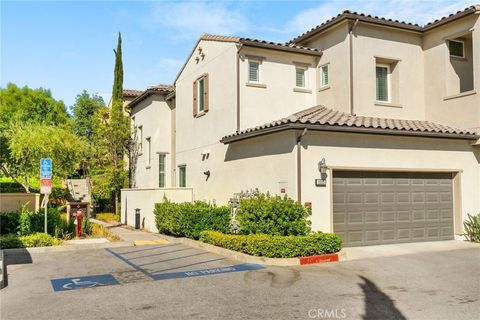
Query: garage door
point(372, 208)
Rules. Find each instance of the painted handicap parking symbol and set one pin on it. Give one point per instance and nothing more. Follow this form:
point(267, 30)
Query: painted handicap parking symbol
point(73, 283)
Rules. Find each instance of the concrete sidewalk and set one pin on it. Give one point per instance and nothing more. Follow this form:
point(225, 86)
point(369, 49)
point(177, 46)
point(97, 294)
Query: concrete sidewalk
point(137, 237)
point(389, 250)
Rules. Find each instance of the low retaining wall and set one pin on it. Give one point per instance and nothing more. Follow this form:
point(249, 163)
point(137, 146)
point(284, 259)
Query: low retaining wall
point(145, 199)
point(14, 201)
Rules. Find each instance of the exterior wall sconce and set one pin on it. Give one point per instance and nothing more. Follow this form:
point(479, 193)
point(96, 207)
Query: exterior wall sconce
point(322, 168)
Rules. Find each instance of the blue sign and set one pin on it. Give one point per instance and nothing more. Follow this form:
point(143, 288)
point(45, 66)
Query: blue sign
point(207, 272)
point(45, 168)
point(74, 283)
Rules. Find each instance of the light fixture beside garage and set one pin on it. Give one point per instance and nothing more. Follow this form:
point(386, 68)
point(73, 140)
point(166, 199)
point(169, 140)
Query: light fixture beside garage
point(322, 168)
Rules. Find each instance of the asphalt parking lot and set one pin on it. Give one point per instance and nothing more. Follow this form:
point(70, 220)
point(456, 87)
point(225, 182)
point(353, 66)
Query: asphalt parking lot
point(173, 281)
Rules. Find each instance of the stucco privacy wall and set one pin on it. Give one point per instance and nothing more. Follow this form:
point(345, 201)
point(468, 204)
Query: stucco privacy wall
point(463, 111)
point(390, 153)
point(260, 163)
point(145, 199)
point(154, 116)
point(14, 201)
point(275, 96)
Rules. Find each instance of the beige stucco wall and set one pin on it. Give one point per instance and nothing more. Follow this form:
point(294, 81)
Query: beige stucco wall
point(276, 99)
point(154, 115)
point(440, 80)
point(376, 152)
point(145, 199)
point(14, 201)
point(334, 45)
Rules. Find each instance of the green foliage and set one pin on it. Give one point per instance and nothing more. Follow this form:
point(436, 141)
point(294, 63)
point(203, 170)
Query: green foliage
point(31, 222)
point(66, 229)
point(472, 228)
point(265, 214)
point(117, 92)
point(32, 240)
point(83, 110)
point(9, 222)
point(107, 217)
point(189, 219)
point(86, 227)
point(29, 142)
point(273, 246)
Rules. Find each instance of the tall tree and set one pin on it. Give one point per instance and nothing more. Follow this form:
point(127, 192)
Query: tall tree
point(84, 110)
point(112, 136)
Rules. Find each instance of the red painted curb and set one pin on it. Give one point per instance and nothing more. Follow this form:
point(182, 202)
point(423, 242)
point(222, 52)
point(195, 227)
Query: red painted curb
point(331, 257)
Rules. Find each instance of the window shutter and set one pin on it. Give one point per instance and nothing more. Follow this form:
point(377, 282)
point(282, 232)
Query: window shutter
point(195, 101)
point(206, 93)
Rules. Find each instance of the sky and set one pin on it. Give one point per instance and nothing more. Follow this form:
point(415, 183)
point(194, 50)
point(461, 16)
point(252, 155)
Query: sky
point(67, 46)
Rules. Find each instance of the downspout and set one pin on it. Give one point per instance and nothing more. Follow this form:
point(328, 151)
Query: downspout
point(239, 47)
point(350, 39)
point(299, 165)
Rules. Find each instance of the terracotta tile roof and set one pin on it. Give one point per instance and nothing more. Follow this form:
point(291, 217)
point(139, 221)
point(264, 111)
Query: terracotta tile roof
point(260, 43)
point(325, 119)
point(130, 93)
point(160, 88)
point(352, 15)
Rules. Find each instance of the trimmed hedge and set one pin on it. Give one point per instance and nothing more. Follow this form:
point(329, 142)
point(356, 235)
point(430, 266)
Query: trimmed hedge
point(9, 222)
point(274, 215)
point(10, 241)
point(31, 222)
point(189, 219)
point(275, 246)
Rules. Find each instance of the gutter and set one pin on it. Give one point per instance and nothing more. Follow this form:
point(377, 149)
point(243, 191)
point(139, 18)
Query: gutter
point(299, 165)
point(239, 47)
point(346, 129)
point(350, 39)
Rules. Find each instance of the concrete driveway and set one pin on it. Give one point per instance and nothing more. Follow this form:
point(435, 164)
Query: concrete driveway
point(428, 285)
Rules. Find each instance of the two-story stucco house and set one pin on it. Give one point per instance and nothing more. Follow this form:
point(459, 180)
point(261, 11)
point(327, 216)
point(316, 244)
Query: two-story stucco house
point(373, 123)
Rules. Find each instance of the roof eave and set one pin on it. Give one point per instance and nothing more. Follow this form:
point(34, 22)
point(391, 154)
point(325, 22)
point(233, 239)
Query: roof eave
point(470, 11)
point(146, 94)
point(346, 129)
point(262, 45)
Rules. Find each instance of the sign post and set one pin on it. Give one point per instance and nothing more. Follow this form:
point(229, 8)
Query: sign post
point(46, 182)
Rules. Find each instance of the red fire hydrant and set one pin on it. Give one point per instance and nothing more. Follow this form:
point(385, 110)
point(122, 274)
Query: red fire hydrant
point(79, 223)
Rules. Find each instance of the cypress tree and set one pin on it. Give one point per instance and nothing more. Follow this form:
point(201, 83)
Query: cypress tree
point(117, 92)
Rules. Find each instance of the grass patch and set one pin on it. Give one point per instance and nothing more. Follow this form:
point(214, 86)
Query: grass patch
point(107, 217)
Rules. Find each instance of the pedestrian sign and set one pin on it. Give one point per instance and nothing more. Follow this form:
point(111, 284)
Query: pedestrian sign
point(45, 168)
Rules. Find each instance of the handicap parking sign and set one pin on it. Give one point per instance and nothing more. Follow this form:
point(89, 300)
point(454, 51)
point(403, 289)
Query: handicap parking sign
point(73, 283)
point(45, 168)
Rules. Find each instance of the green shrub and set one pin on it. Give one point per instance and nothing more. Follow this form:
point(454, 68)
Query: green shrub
point(108, 217)
point(472, 228)
point(189, 219)
point(31, 222)
point(86, 226)
point(9, 222)
point(273, 246)
point(32, 240)
point(274, 215)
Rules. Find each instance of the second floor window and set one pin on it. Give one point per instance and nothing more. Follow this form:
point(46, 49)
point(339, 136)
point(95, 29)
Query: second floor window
point(149, 151)
point(182, 176)
point(253, 71)
point(382, 73)
point(456, 48)
point(324, 80)
point(140, 138)
point(300, 77)
point(161, 170)
point(200, 95)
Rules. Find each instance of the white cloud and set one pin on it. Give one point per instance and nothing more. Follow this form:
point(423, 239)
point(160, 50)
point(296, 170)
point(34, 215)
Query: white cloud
point(190, 19)
point(414, 11)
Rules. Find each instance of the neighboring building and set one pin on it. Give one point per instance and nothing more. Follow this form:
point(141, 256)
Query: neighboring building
point(372, 122)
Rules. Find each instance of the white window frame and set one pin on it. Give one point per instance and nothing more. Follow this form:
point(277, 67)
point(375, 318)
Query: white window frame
point(259, 62)
point(389, 87)
point(200, 95)
point(140, 139)
point(149, 151)
point(305, 82)
point(323, 85)
point(463, 48)
point(162, 183)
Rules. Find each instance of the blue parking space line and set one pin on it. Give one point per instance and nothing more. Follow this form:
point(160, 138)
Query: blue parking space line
point(73, 283)
point(187, 265)
point(207, 272)
point(133, 265)
point(159, 254)
point(177, 258)
point(156, 247)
